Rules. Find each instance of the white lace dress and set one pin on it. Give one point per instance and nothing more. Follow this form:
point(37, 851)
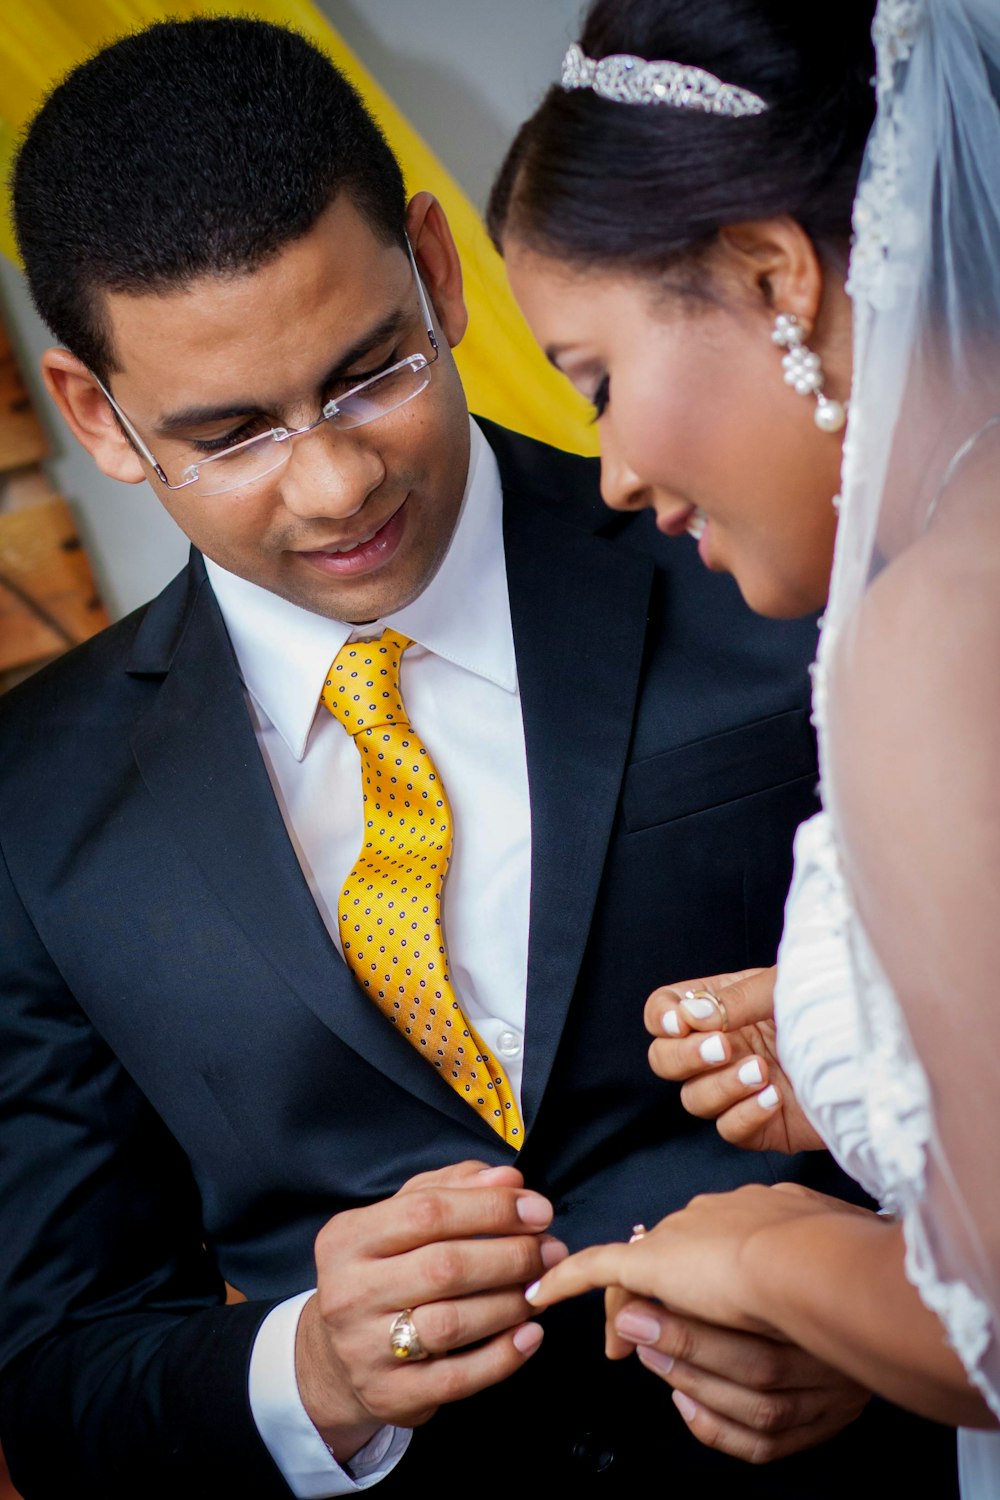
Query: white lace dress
point(844, 1045)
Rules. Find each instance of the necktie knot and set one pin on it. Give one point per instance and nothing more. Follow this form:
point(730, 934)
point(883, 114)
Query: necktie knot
point(362, 686)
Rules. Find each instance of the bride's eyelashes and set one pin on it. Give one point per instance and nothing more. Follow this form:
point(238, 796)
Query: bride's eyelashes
point(599, 400)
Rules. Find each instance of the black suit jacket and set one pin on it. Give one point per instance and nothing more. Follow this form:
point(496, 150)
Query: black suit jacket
point(191, 1082)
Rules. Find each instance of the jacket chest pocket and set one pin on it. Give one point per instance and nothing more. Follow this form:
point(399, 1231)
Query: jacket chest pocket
point(724, 767)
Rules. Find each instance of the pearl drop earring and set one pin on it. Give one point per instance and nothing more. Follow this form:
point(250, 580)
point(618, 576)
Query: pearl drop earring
point(804, 372)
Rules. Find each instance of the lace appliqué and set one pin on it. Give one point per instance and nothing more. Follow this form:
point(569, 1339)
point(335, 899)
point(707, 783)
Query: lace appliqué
point(896, 1091)
point(896, 1100)
point(878, 259)
point(894, 32)
point(964, 1315)
point(895, 1096)
point(895, 1087)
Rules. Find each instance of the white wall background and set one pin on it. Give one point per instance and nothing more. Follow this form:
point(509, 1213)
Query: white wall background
point(465, 73)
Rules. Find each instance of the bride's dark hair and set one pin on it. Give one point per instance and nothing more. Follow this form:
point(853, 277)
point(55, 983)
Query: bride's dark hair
point(649, 186)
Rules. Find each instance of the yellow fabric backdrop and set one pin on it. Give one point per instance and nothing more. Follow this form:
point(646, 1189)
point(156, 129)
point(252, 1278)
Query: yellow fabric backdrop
point(505, 376)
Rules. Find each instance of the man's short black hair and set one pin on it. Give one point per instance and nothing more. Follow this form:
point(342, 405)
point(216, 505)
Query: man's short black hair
point(191, 148)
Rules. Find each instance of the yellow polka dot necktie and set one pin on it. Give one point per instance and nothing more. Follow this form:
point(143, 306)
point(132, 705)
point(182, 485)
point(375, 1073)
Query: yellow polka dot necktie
point(389, 913)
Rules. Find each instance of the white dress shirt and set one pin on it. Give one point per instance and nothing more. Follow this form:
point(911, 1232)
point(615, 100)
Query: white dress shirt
point(459, 684)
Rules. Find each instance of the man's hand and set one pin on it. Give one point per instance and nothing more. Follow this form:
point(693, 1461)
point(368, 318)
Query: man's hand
point(732, 1077)
point(754, 1398)
point(458, 1247)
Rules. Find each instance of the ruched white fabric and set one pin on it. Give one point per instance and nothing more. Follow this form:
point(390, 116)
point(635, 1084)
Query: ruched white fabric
point(843, 1043)
point(816, 1006)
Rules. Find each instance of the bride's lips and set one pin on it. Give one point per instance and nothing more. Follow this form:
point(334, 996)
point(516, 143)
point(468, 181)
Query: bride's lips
point(675, 522)
point(371, 551)
point(686, 519)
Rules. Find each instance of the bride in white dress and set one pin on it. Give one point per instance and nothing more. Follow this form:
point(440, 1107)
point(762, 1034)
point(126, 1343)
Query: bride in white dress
point(888, 1032)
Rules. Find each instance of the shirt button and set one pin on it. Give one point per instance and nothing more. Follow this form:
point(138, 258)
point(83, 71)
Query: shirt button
point(593, 1453)
point(509, 1044)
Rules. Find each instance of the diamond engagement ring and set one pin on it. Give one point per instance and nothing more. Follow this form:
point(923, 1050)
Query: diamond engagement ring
point(404, 1340)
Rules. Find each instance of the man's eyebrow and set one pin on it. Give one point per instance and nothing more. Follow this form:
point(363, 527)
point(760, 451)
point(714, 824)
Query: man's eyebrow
point(197, 416)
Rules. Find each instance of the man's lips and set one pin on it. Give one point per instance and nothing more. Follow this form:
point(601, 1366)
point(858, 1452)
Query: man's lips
point(348, 558)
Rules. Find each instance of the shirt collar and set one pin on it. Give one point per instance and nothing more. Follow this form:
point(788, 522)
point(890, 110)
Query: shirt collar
point(463, 615)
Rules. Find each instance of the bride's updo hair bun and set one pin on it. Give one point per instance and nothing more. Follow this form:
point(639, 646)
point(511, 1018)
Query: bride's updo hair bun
point(648, 186)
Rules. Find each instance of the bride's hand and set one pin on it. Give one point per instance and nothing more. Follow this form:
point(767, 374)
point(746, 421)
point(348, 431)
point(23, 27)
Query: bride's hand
point(732, 1077)
point(709, 1260)
point(753, 1398)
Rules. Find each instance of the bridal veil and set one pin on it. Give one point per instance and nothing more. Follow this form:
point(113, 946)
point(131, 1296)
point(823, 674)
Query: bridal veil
point(908, 678)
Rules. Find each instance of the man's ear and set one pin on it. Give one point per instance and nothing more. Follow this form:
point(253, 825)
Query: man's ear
point(88, 416)
point(440, 267)
point(776, 261)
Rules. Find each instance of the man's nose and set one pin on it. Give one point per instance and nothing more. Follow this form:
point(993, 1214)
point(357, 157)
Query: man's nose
point(330, 473)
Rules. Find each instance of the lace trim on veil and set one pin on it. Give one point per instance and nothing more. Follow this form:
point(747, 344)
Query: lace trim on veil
point(873, 270)
point(895, 1087)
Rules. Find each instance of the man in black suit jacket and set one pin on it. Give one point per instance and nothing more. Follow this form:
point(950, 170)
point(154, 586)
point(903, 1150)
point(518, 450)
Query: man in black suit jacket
point(194, 1086)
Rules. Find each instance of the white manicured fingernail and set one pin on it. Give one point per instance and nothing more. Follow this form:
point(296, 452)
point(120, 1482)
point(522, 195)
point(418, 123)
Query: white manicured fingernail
point(701, 1010)
point(750, 1071)
point(531, 1292)
point(671, 1022)
point(768, 1098)
point(712, 1049)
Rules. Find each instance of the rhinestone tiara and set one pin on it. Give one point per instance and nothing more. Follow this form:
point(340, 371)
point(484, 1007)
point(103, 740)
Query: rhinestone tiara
point(632, 80)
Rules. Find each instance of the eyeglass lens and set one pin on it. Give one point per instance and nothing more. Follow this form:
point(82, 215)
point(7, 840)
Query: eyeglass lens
point(254, 459)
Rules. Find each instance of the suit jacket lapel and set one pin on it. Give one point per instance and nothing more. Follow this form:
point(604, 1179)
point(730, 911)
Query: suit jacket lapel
point(579, 610)
point(197, 754)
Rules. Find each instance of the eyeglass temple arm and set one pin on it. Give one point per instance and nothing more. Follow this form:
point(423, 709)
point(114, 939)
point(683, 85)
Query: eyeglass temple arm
point(424, 304)
point(133, 435)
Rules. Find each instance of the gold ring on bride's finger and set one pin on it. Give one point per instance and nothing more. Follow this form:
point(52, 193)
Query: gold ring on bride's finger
point(708, 995)
point(404, 1340)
